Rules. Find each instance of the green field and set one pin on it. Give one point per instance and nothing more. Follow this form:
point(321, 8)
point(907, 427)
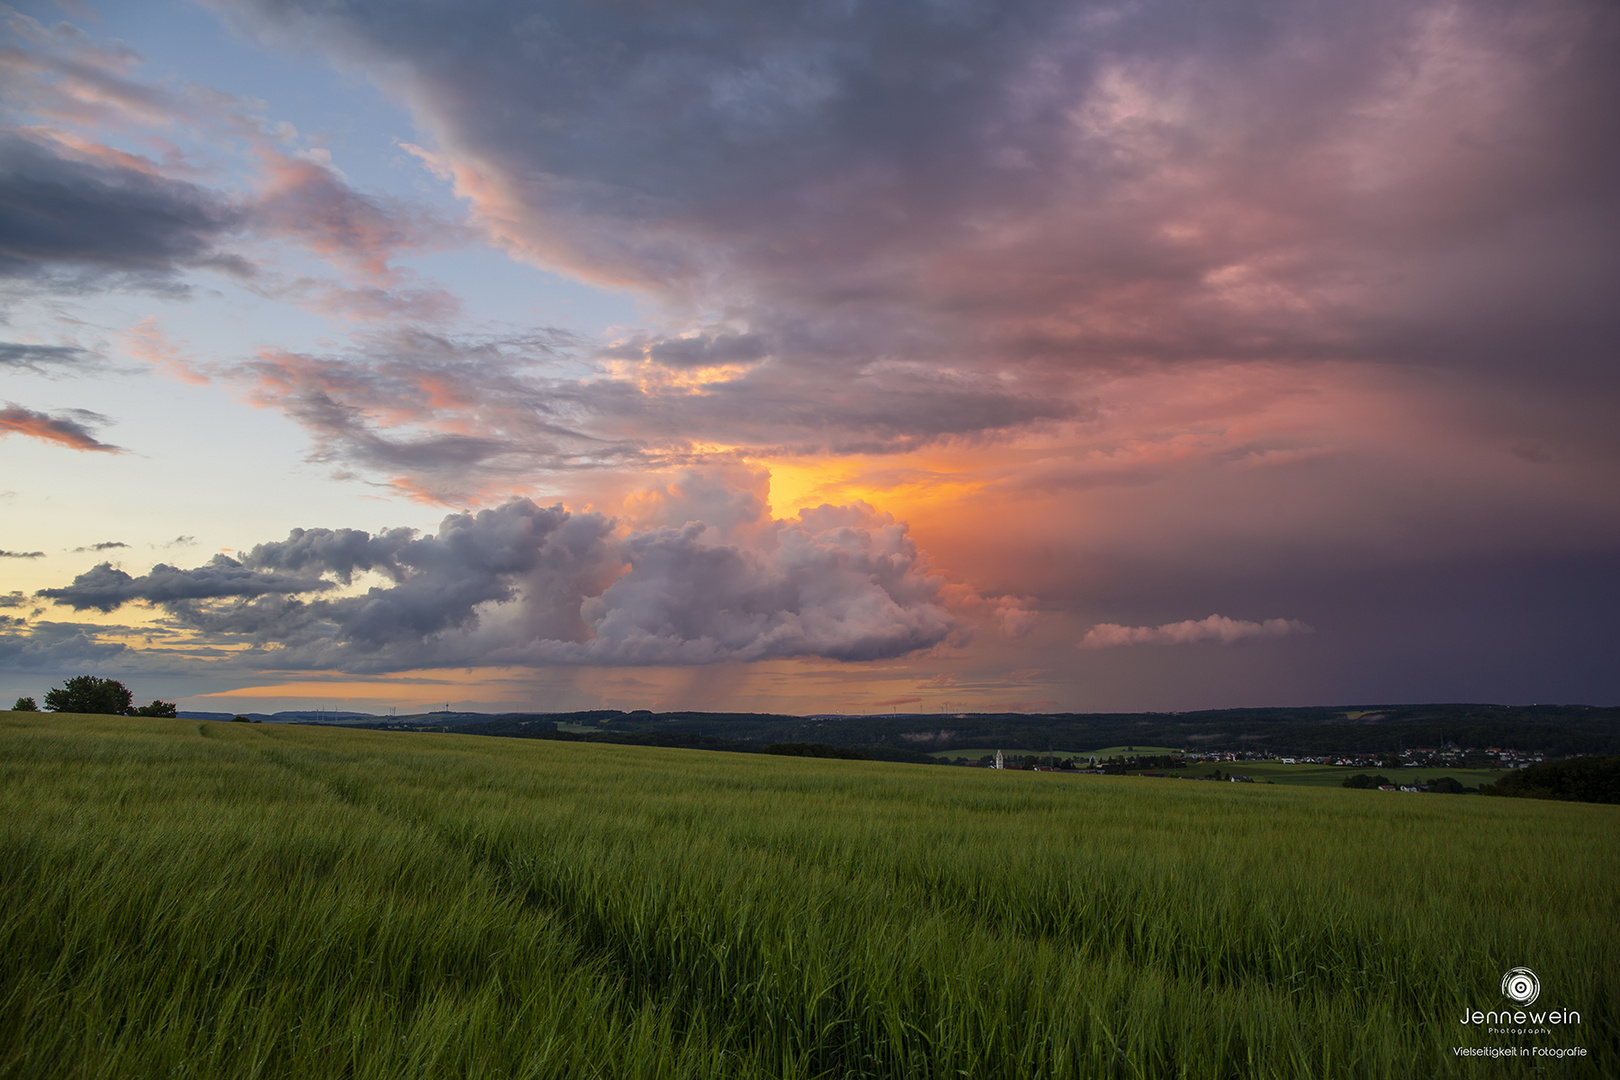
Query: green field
point(185, 899)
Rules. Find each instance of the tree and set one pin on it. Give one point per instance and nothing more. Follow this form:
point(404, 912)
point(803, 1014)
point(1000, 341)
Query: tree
point(157, 708)
point(24, 704)
point(89, 694)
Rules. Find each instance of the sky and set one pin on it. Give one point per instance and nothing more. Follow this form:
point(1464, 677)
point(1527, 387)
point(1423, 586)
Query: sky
point(929, 356)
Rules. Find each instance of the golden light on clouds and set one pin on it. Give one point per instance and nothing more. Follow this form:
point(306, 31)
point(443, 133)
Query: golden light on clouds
point(897, 484)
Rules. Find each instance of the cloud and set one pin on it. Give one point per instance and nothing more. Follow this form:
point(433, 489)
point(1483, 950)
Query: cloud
point(80, 218)
point(843, 583)
point(65, 213)
point(43, 359)
point(146, 341)
point(105, 545)
point(54, 647)
point(22, 554)
point(106, 588)
point(70, 429)
point(1216, 628)
point(893, 230)
point(453, 414)
point(1014, 617)
point(83, 214)
point(1027, 186)
point(523, 585)
point(407, 403)
point(303, 196)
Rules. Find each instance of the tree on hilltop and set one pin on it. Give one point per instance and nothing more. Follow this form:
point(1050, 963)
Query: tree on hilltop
point(106, 697)
point(90, 694)
point(25, 704)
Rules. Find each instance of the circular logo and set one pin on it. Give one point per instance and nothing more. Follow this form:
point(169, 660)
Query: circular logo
point(1521, 986)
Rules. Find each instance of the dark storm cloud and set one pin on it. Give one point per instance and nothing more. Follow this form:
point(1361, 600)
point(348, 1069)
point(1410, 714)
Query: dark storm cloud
point(63, 212)
point(71, 428)
point(1045, 184)
point(917, 224)
point(526, 585)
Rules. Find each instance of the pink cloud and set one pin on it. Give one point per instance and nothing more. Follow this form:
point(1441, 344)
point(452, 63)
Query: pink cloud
point(1216, 628)
point(1014, 618)
point(87, 149)
point(71, 430)
point(146, 340)
point(303, 196)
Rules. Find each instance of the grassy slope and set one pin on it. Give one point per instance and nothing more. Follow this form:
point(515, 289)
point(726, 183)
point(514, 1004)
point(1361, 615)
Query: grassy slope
point(206, 899)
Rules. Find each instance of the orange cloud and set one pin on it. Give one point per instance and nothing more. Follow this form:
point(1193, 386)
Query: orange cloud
point(70, 431)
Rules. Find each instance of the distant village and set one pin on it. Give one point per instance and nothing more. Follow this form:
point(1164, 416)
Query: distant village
point(1172, 765)
point(1418, 757)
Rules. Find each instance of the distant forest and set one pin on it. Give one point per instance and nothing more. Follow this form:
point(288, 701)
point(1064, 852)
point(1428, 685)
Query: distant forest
point(1554, 730)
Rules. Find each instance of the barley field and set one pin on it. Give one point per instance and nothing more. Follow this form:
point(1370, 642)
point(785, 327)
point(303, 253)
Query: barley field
point(185, 899)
